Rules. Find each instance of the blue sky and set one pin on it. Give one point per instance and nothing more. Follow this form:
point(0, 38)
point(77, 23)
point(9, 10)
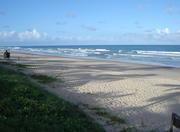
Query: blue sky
point(69, 22)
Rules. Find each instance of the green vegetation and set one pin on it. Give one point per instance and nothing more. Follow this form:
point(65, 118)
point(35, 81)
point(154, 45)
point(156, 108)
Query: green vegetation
point(9, 62)
point(133, 129)
point(21, 65)
point(129, 129)
point(85, 105)
point(116, 119)
point(153, 131)
point(97, 109)
point(113, 118)
point(25, 107)
point(102, 112)
point(40, 78)
point(6, 62)
point(43, 78)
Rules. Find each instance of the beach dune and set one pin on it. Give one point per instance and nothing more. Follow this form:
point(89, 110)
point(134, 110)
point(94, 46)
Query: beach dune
point(144, 95)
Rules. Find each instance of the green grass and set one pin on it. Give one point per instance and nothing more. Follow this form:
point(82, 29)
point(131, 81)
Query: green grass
point(133, 129)
point(40, 78)
point(86, 105)
point(153, 131)
point(25, 107)
point(112, 118)
point(10, 62)
point(97, 109)
point(102, 112)
point(116, 119)
point(129, 129)
point(43, 78)
point(6, 62)
point(22, 65)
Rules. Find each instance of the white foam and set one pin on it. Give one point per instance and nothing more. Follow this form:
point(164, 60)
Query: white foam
point(119, 51)
point(165, 53)
point(80, 51)
point(11, 48)
point(16, 48)
point(131, 55)
point(102, 50)
point(97, 53)
point(74, 52)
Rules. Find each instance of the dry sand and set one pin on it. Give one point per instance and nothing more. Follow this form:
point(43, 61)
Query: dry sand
point(144, 95)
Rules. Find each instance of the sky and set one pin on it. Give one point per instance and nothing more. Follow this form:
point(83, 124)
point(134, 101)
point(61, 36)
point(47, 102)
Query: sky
point(85, 22)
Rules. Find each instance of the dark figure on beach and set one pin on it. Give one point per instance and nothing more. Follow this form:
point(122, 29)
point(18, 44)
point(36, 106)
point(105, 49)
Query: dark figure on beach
point(6, 54)
point(175, 121)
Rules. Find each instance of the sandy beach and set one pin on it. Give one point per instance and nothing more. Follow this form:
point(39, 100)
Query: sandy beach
point(144, 95)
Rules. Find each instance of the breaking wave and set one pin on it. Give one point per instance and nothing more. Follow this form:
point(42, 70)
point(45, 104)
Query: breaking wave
point(117, 54)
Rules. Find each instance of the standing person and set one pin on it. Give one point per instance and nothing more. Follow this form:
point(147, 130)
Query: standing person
point(6, 54)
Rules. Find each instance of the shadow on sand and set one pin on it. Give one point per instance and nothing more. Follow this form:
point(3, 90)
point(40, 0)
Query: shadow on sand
point(79, 75)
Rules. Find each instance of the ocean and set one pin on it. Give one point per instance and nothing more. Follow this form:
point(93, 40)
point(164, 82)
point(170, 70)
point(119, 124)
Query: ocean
point(159, 55)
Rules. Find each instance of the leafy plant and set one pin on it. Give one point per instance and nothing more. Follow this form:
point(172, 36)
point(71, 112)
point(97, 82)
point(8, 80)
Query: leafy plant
point(10, 62)
point(43, 78)
point(26, 107)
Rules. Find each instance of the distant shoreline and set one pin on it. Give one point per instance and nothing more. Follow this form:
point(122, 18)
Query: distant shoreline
point(98, 59)
point(158, 55)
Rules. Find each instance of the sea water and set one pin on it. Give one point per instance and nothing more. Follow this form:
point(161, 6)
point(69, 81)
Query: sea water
point(160, 55)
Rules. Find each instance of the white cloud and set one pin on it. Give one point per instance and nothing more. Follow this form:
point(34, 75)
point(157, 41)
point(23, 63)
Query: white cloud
point(34, 34)
point(5, 34)
point(178, 31)
point(164, 31)
point(8, 36)
point(84, 38)
point(74, 38)
point(28, 35)
point(165, 36)
point(151, 36)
